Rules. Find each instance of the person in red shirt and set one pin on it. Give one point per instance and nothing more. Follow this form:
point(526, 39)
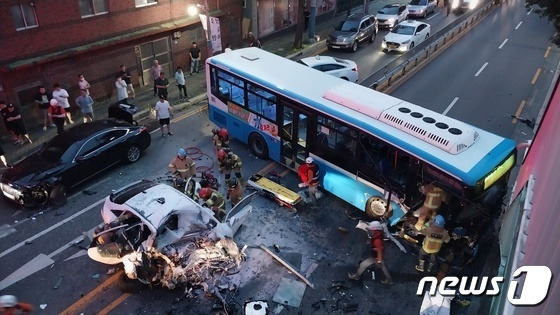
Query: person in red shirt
point(377, 234)
point(9, 305)
point(58, 115)
point(309, 175)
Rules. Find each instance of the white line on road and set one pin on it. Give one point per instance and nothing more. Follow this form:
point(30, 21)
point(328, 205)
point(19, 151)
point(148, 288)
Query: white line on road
point(480, 70)
point(518, 25)
point(75, 215)
point(433, 15)
point(502, 45)
point(449, 107)
point(529, 11)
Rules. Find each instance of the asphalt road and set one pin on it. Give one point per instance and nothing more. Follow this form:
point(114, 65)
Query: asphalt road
point(310, 240)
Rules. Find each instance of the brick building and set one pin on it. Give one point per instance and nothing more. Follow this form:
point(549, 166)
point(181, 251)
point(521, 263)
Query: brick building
point(50, 41)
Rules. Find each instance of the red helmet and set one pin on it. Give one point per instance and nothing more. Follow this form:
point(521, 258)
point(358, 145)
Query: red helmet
point(222, 154)
point(205, 193)
point(223, 133)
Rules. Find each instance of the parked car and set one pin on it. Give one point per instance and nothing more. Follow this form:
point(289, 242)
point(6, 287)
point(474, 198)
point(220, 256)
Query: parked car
point(421, 8)
point(391, 15)
point(405, 36)
point(460, 6)
point(342, 68)
point(72, 158)
point(352, 31)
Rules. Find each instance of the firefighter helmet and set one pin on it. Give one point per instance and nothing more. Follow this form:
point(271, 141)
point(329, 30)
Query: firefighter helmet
point(232, 182)
point(182, 153)
point(205, 193)
point(309, 160)
point(222, 154)
point(439, 221)
point(375, 225)
point(223, 133)
point(8, 301)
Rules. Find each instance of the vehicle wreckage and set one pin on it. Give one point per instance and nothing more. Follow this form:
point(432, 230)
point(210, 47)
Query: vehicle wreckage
point(163, 237)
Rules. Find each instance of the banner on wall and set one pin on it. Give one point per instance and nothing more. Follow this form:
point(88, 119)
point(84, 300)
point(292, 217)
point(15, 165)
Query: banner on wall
point(215, 33)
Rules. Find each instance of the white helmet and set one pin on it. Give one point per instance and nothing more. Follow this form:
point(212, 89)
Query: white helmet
point(375, 225)
point(54, 102)
point(309, 160)
point(8, 301)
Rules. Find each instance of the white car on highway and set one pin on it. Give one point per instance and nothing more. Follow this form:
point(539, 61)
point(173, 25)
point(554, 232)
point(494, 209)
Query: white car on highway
point(342, 68)
point(405, 36)
point(391, 15)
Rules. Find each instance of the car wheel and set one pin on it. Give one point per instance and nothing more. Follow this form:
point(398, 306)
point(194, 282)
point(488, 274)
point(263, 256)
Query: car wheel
point(57, 196)
point(427, 35)
point(411, 46)
point(132, 153)
point(425, 14)
point(373, 36)
point(258, 146)
point(344, 78)
point(355, 46)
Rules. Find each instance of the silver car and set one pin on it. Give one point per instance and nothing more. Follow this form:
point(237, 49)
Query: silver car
point(391, 15)
point(421, 8)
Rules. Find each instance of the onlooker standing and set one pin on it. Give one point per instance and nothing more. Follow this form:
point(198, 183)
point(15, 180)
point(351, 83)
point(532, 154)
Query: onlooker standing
point(180, 77)
point(122, 93)
point(155, 70)
point(163, 113)
point(161, 84)
point(253, 41)
point(85, 102)
point(7, 124)
point(228, 48)
point(62, 96)
point(127, 78)
point(13, 116)
point(306, 15)
point(3, 158)
point(83, 84)
point(42, 99)
point(194, 53)
point(58, 114)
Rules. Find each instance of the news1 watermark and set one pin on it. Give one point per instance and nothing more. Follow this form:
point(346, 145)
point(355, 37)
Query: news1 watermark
point(532, 292)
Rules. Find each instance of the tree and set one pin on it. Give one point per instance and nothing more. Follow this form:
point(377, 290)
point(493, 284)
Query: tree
point(299, 27)
point(549, 9)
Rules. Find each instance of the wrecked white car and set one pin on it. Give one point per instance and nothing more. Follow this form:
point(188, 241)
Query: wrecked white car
point(163, 237)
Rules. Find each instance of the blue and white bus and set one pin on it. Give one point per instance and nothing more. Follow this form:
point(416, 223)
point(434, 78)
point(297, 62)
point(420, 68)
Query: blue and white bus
point(371, 147)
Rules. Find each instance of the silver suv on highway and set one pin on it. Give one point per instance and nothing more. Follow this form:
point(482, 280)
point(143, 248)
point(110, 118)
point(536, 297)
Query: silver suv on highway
point(353, 30)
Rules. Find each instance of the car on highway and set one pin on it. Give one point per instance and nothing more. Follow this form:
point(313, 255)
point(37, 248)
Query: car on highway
point(460, 6)
point(391, 15)
point(405, 36)
point(72, 158)
point(421, 8)
point(352, 31)
point(342, 68)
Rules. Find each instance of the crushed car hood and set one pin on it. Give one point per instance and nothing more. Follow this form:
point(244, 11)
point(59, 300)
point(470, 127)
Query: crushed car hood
point(31, 170)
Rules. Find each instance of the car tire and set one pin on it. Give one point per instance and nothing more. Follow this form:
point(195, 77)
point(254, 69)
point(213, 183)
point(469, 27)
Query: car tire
point(411, 46)
point(57, 195)
point(258, 146)
point(427, 35)
point(372, 37)
point(425, 14)
point(127, 285)
point(354, 46)
point(132, 154)
point(344, 78)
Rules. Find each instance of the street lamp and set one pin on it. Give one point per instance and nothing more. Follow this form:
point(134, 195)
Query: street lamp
point(193, 10)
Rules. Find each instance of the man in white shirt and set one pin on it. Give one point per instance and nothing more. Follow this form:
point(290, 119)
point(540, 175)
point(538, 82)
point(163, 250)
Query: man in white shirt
point(163, 113)
point(62, 96)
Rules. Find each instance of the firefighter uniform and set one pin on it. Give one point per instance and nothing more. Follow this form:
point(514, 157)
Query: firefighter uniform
point(234, 191)
point(213, 200)
point(436, 235)
point(228, 162)
point(186, 166)
point(434, 198)
point(220, 139)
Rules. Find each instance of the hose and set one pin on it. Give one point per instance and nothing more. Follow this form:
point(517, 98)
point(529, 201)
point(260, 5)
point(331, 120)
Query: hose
point(196, 153)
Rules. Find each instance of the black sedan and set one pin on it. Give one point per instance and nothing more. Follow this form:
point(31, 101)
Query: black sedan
point(70, 159)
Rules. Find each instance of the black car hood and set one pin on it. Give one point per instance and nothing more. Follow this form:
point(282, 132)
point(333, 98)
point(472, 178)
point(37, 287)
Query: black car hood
point(31, 170)
point(342, 33)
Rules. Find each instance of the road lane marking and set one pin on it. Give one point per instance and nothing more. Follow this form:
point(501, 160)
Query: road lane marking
point(529, 11)
point(502, 45)
point(450, 106)
point(266, 168)
point(73, 242)
point(284, 172)
point(433, 15)
point(40, 262)
point(90, 297)
point(518, 112)
point(55, 226)
point(114, 304)
point(547, 52)
point(518, 25)
point(480, 70)
point(536, 76)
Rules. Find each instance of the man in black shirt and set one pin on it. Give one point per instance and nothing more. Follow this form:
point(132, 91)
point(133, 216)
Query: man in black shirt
point(42, 99)
point(125, 74)
point(161, 84)
point(194, 53)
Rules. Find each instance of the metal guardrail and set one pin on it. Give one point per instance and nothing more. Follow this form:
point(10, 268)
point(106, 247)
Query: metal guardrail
point(385, 77)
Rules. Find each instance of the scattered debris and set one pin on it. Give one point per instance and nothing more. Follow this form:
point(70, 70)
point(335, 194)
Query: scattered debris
point(57, 284)
point(347, 308)
point(111, 271)
point(343, 229)
point(89, 192)
point(287, 265)
point(43, 306)
point(95, 276)
point(276, 248)
point(290, 292)
point(28, 242)
point(256, 308)
point(279, 308)
point(337, 286)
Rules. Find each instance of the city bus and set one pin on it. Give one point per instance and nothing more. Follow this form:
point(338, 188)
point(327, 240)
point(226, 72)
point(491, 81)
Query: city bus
point(374, 151)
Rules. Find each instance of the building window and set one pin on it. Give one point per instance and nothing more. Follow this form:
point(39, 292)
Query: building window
point(92, 7)
point(142, 3)
point(24, 16)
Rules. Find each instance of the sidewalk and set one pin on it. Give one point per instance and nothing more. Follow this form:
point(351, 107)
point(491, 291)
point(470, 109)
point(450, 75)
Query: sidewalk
point(279, 43)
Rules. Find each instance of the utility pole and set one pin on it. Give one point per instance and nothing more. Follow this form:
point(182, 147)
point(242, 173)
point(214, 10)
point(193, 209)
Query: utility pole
point(366, 6)
point(312, 17)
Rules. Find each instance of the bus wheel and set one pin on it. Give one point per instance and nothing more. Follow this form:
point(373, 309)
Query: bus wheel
point(258, 146)
point(376, 207)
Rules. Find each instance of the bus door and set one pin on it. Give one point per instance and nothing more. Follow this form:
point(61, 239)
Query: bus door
point(295, 147)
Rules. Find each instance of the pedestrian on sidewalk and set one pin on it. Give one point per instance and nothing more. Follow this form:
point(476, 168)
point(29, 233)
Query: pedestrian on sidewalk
point(57, 114)
point(161, 84)
point(253, 41)
point(7, 124)
point(125, 74)
point(377, 233)
point(447, 6)
point(122, 93)
point(14, 118)
point(163, 114)
point(194, 53)
point(43, 99)
point(155, 70)
point(306, 15)
point(83, 84)
point(181, 84)
point(85, 102)
point(3, 158)
point(61, 95)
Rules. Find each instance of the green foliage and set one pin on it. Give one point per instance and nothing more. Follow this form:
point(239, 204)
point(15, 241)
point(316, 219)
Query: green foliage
point(549, 9)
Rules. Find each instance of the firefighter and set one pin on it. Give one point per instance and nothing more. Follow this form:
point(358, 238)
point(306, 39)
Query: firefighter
point(434, 198)
point(220, 138)
point(229, 161)
point(213, 200)
point(309, 175)
point(234, 191)
point(436, 235)
point(9, 305)
point(183, 166)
